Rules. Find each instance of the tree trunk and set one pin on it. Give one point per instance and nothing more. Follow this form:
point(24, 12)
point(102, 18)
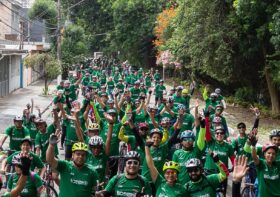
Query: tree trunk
point(46, 86)
point(273, 92)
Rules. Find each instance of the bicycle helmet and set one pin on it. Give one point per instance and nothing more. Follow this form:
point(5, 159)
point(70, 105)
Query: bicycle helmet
point(17, 160)
point(218, 91)
point(219, 128)
point(185, 92)
point(156, 130)
point(274, 133)
point(187, 134)
point(132, 155)
point(80, 146)
point(193, 163)
point(217, 119)
point(241, 124)
point(95, 141)
point(219, 106)
point(179, 88)
point(170, 99)
point(165, 120)
point(171, 165)
point(93, 126)
point(143, 125)
point(18, 118)
point(213, 95)
point(181, 107)
point(268, 146)
point(26, 139)
point(111, 111)
point(137, 82)
point(161, 81)
point(110, 101)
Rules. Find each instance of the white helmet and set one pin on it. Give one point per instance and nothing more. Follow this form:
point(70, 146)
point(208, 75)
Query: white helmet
point(96, 141)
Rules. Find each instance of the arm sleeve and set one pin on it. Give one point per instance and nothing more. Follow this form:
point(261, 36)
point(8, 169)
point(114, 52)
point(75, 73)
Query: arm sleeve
point(236, 189)
point(122, 136)
point(165, 136)
point(174, 138)
point(208, 135)
point(138, 137)
point(222, 171)
point(37, 140)
point(8, 131)
point(38, 181)
point(205, 94)
point(256, 123)
point(200, 140)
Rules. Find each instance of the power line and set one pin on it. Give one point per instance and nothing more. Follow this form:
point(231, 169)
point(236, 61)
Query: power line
point(24, 17)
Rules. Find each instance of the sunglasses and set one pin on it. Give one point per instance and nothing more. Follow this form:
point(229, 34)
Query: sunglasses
point(144, 129)
point(188, 139)
point(190, 170)
point(170, 172)
point(134, 162)
point(241, 127)
point(219, 133)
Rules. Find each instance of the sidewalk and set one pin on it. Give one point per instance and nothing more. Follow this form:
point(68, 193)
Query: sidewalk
point(14, 103)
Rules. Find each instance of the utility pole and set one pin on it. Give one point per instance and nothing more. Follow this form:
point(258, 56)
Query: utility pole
point(58, 37)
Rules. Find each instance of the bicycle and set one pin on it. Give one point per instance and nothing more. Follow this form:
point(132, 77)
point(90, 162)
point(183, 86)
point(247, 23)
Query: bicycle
point(248, 190)
point(48, 183)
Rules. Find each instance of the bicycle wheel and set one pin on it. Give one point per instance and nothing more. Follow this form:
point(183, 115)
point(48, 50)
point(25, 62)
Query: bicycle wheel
point(50, 191)
point(248, 191)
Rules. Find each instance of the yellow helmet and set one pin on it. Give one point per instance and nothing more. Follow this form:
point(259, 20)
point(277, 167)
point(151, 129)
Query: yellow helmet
point(93, 126)
point(185, 91)
point(80, 146)
point(171, 165)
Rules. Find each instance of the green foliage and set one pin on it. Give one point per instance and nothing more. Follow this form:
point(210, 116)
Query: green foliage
point(43, 10)
point(44, 64)
point(245, 94)
point(74, 47)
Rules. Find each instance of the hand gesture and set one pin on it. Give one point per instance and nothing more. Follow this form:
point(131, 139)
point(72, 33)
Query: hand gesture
point(149, 142)
point(255, 110)
point(252, 139)
point(240, 168)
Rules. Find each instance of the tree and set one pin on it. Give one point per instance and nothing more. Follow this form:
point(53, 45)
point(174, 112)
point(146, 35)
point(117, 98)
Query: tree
point(74, 48)
point(45, 65)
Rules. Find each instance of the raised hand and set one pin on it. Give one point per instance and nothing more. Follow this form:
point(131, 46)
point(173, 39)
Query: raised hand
point(240, 168)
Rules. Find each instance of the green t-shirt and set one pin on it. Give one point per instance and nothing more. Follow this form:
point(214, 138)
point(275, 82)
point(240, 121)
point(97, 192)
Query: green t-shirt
point(16, 136)
point(159, 90)
point(148, 81)
point(134, 93)
point(76, 182)
point(98, 164)
point(110, 85)
point(188, 121)
point(182, 156)
point(157, 77)
point(238, 145)
point(121, 186)
point(32, 185)
point(179, 100)
point(209, 103)
point(120, 87)
point(159, 156)
point(269, 179)
point(114, 150)
point(71, 136)
point(71, 92)
point(163, 189)
point(205, 187)
point(42, 141)
point(32, 130)
point(224, 151)
point(35, 163)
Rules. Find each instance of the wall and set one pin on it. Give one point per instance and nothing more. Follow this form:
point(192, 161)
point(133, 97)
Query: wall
point(14, 70)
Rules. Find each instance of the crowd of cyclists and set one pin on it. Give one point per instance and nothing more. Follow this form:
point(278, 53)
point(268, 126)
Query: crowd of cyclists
point(118, 141)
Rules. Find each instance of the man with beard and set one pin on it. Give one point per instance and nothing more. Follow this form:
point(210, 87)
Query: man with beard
point(130, 183)
point(201, 185)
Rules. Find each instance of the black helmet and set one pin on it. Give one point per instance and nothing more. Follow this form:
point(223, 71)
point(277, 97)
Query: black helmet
point(156, 130)
point(26, 139)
